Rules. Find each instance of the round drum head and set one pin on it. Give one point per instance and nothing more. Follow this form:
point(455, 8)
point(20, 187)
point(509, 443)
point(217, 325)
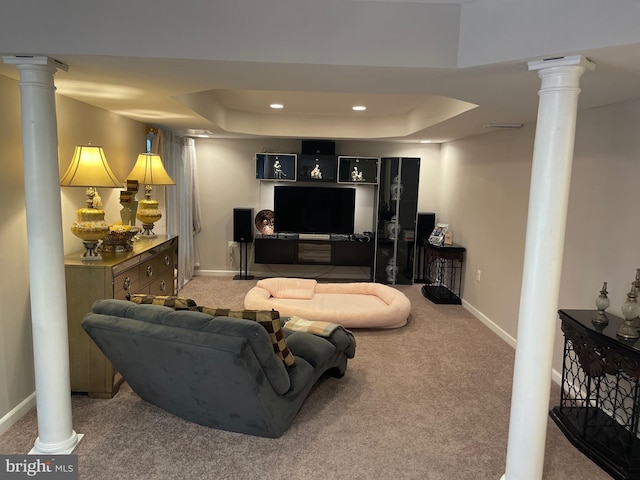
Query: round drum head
point(264, 222)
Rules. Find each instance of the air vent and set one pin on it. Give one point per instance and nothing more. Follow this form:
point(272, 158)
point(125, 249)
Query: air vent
point(502, 125)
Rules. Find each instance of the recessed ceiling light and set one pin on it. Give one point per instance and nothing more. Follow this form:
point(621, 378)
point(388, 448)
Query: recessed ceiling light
point(276, 105)
point(426, 141)
point(359, 108)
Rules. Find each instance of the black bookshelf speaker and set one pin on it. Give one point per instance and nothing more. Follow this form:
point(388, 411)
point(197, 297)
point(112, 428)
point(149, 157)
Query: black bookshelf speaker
point(243, 225)
point(426, 224)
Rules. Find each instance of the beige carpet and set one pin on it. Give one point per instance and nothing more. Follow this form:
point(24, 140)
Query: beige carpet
point(427, 401)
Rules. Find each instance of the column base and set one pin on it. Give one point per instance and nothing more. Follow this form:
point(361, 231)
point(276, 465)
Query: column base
point(62, 448)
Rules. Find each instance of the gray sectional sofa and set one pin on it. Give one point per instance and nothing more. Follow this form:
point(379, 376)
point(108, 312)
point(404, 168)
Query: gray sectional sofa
point(217, 371)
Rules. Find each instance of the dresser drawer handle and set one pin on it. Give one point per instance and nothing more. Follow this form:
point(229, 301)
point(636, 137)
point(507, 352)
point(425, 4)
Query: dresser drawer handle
point(167, 260)
point(126, 285)
point(149, 271)
point(163, 285)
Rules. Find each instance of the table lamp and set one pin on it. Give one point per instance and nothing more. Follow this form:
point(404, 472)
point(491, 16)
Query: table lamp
point(89, 168)
point(149, 171)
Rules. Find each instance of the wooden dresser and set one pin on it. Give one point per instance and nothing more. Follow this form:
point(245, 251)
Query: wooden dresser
point(150, 268)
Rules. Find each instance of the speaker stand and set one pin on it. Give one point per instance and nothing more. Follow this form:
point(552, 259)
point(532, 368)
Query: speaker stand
point(244, 246)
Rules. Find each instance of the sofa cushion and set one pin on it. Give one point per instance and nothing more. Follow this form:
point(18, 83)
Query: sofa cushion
point(177, 303)
point(269, 319)
point(300, 288)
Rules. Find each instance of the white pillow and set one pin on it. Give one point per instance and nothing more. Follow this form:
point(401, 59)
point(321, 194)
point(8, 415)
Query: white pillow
point(301, 288)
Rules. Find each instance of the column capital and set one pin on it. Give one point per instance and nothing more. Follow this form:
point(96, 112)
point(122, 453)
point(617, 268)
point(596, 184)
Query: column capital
point(562, 61)
point(34, 60)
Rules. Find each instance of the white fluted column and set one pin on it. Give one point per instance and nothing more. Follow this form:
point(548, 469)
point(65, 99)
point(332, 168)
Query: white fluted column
point(46, 254)
point(548, 200)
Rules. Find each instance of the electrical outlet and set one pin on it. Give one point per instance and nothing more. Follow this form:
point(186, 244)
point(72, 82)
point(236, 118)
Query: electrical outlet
point(478, 274)
point(231, 245)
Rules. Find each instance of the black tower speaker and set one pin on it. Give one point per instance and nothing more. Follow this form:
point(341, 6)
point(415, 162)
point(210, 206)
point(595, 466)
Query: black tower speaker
point(426, 224)
point(243, 225)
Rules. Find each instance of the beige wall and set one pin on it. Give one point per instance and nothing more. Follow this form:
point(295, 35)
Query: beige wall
point(484, 184)
point(77, 123)
point(603, 227)
point(16, 354)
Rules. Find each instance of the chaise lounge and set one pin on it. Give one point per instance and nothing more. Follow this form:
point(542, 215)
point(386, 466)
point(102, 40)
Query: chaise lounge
point(222, 372)
point(352, 305)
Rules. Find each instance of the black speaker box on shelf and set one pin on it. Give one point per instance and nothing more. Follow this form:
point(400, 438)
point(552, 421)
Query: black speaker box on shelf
point(318, 147)
point(426, 224)
point(243, 225)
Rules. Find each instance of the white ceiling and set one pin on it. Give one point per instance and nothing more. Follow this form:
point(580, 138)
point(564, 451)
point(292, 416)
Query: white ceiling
point(426, 70)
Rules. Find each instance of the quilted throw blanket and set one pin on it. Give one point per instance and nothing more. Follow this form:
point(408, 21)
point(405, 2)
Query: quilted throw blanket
point(322, 329)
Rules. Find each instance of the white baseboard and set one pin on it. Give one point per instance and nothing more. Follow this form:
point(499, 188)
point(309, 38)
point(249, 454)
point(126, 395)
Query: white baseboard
point(214, 273)
point(489, 323)
point(17, 413)
point(555, 375)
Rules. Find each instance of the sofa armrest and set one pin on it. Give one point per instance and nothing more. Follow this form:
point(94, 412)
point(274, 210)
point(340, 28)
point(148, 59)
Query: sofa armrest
point(315, 350)
point(343, 340)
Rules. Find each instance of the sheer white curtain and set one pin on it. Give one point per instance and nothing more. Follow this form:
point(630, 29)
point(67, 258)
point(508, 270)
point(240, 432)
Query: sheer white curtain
point(183, 206)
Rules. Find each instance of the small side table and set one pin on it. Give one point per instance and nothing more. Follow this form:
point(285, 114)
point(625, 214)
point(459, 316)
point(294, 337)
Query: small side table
point(442, 273)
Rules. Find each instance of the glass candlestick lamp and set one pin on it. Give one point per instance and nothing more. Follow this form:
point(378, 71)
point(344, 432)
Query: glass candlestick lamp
point(602, 303)
point(630, 311)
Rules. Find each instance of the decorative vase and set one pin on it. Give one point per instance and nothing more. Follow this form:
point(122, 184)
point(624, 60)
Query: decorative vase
point(392, 271)
point(148, 214)
point(396, 188)
point(91, 228)
point(393, 229)
point(602, 303)
point(630, 311)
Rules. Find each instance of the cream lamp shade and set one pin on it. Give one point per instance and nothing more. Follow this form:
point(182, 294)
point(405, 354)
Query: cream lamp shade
point(89, 169)
point(149, 171)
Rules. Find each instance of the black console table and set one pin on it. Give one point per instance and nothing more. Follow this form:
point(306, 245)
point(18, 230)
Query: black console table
point(599, 409)
point(442, 273)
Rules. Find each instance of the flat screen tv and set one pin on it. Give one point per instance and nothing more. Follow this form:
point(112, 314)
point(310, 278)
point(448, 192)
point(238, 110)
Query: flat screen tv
point(314, 209)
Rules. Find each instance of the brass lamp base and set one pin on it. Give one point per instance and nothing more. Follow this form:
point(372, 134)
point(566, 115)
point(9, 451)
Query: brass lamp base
point(90, 228)
point(148, 214)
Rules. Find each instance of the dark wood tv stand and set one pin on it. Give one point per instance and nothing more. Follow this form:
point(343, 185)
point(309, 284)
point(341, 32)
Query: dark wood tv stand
point(291, 250)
